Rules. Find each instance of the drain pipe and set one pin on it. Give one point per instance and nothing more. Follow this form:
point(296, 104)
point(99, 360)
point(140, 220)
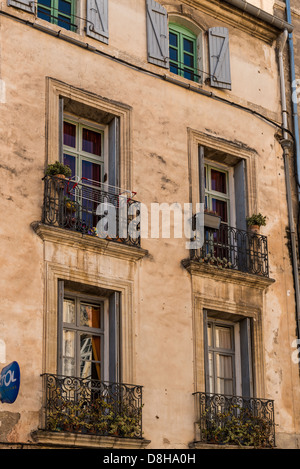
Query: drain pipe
point(294, 93)
point(286, 146)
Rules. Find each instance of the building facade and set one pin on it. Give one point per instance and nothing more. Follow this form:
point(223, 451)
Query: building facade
point(129, 331)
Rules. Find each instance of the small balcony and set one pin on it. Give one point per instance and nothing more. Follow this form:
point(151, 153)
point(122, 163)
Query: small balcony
point(91, 208)
point(234, 249)
point(92, 407)
point(235, 420)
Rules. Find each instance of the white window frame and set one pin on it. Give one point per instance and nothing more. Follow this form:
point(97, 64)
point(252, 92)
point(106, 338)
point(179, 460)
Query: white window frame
point(78, 153)
point(230, 196)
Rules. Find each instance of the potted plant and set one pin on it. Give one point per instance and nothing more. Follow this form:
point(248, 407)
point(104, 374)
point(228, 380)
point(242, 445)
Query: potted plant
point(59, 170)
point(70, 204)
point(211, 219)
point(255, 222)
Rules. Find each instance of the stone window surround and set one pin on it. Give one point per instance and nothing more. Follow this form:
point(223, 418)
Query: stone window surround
point(55, 90)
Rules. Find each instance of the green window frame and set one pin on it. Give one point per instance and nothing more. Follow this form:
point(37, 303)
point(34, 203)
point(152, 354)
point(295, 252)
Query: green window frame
point(60, 12)
point(183, 52)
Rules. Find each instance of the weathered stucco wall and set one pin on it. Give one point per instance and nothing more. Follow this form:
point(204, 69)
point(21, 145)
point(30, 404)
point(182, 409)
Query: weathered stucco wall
point(163, 314)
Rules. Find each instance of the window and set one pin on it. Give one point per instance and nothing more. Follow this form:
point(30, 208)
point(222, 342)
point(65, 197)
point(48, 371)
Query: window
point(83, 150)
point(217, 191)
point(83, 338)
point(88, 339)
point(183, 52)
point(228, 356)
point(60, 12)
point(221, 357)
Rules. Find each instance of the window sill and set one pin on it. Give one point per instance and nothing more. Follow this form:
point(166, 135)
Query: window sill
point(226, 275)
point(49, 439)
point(78, 240)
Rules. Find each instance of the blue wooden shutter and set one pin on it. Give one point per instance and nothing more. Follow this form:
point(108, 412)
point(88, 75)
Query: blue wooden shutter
point(240, 195)
point(97, 20)
point(114, 152)
point(114, 327)
point(219, 58)
point(26, 5)
point(246, 357)
point(157, 34)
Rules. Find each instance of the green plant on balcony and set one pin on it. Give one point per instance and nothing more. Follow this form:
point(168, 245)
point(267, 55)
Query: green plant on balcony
point(58, 169)
point(210, 259)
point(238, 426)
point(127, 422)
point(256, 220)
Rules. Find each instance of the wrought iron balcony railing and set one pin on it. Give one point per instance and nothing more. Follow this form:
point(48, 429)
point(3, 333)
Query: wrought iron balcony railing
point(231, 248)
point(235, 420)
point(82, 405)
point(91, 208)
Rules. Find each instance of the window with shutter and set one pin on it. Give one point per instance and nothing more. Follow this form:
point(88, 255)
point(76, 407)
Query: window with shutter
point(219, 58)
point(97, 20)
point(60, 12)
point(228, 356)
point(183, 52)
point(88, 335)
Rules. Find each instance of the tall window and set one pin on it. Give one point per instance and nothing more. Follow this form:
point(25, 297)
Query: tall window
point(216, 183)
point(60, 12)
point(183, 52)
point(84, 150)
point(221, 356)
point(83, 338)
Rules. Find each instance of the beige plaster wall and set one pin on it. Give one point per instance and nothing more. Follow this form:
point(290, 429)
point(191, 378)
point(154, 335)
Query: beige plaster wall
point(162, 302)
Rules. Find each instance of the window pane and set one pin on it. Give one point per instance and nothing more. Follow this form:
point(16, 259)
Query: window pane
point(90, 315)
point(68, 367)
point(69, 311)
point(68, 343)
point(91, 171)
point(91, 142)
point(173, 39)
point(188, 60)
point(64, 7)
point(173, 54)
point(70, 161)
point(224, 366)
point(46, 3)
point(69, 134)
point(64, 22)
point(188, 45)
point(223, 337)
point(218, 181)
point(44, 14)
point(189, 75)
point(174, 69)
point(220, 207)
point(90, 356)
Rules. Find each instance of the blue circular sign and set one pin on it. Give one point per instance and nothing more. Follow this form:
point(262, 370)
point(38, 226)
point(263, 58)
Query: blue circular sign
point(9, 383)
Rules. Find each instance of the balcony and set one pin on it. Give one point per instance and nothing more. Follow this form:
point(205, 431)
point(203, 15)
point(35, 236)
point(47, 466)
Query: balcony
point(235, 420)
point(91, 208)
point(92, 407)
point(233, 249)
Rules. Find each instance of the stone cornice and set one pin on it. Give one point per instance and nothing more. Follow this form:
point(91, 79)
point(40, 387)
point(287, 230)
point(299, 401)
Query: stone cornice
point(86, 242)
point(227, 275)
point(78, 440)
point(235, 17)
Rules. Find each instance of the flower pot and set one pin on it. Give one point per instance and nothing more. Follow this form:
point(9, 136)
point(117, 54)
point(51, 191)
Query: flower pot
point(212, 221)
point(254, 228)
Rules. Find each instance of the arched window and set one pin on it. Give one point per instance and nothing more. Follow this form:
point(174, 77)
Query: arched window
point(183, 52)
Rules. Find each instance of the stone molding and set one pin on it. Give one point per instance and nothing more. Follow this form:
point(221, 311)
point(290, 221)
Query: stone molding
point(87, 242)
point(78, 440)
point(227, 275)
